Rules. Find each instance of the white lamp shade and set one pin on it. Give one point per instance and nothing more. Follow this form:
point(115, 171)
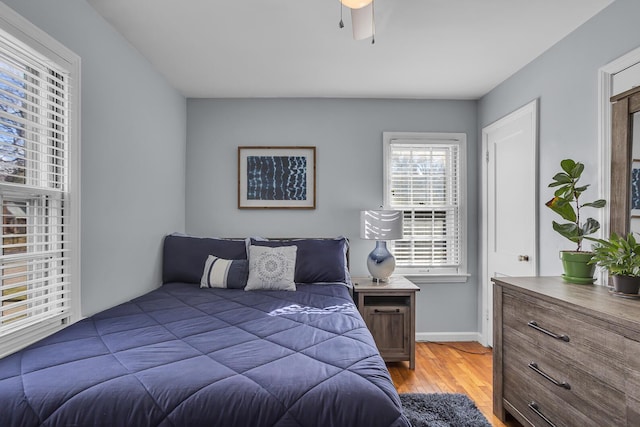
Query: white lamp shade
point(355, 4)
point(381, 225)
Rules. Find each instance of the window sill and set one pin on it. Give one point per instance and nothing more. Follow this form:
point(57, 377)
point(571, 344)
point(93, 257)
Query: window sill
point(419, 279)
point(20, 339)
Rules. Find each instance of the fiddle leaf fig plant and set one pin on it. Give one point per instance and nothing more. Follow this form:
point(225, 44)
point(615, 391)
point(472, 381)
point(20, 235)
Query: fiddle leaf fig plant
point(566, 203)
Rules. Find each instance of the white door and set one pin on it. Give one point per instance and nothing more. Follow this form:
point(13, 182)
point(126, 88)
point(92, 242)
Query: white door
point(510, 203)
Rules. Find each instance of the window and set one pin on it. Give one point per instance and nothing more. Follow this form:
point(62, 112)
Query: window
point(39, 235)
point(425, 178)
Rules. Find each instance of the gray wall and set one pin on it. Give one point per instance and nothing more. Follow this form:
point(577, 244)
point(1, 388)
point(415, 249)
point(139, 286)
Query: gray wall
point(348, 137)
point(133, 159)
point(133, 154)
point(565, 80)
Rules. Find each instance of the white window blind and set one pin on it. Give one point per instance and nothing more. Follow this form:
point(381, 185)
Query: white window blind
point(424, 180)
point(38, 230)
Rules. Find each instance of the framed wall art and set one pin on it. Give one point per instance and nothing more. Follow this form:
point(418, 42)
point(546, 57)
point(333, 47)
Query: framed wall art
point(276, 177)
point(635, 188)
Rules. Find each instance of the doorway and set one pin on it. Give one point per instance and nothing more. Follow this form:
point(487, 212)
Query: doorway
point(509, 203)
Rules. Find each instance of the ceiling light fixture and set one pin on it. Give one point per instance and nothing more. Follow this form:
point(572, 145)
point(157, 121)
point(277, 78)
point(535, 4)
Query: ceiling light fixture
point(362, 19)
point(356, 4)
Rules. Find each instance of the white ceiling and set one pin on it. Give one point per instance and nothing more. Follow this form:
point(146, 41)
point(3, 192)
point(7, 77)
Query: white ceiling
point(453, 49)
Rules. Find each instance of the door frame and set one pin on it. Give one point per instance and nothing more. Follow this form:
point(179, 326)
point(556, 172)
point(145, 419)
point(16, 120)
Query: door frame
point(605, 89)
point(486, 318)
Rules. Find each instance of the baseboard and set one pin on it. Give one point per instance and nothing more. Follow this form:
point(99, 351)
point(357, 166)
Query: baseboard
point(448, 336)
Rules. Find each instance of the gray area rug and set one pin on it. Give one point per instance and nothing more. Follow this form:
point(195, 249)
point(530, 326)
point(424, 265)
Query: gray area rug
point(442, 410)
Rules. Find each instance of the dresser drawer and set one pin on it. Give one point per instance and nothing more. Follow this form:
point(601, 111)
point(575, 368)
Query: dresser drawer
point(566, 334)
point(574, 334)
point(632, 351)
point(562, 385)
point(538, 406)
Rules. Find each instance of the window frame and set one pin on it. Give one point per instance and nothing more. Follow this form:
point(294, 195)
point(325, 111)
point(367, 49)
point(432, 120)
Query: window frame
point(29, 37)
point(424, 273)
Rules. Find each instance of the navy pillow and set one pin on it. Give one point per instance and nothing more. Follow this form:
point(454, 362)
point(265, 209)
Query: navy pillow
point(318, 260)
point(184, 256)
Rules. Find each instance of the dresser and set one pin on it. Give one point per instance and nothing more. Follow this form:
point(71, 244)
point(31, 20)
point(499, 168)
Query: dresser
point(389, 310)
point(565, 354)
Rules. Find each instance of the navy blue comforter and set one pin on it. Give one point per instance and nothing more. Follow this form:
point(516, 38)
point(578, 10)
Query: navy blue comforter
point(185, 356)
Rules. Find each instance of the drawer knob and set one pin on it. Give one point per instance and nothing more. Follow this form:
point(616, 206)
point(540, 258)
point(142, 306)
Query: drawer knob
point(523, 258)
point(396, 310)
point(563, 384)
point(535, 408)
point(533, 324)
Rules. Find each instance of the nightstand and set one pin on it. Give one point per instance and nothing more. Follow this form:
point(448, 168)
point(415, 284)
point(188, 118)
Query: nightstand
point(389, 310)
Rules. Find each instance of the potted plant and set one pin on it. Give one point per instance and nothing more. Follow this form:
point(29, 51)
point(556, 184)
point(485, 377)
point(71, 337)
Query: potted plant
point(566, 203)
point(620, 256)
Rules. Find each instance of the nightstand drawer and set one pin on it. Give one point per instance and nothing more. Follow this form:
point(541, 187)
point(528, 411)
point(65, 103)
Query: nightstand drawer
point(390, 325)
point(389, 310)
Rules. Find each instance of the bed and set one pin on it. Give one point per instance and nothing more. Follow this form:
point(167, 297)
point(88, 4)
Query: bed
point(208, 349)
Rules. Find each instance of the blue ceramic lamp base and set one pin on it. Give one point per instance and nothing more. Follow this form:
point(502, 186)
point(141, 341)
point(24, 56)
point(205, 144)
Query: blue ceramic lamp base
point(381, 262)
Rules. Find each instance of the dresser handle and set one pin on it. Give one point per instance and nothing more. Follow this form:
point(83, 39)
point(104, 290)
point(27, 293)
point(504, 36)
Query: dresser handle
point(564, 384)
point(397, 310)
point(535, 326)
point(535, 408)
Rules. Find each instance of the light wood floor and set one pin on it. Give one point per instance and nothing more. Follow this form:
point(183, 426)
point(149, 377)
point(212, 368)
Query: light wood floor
point(458, 367)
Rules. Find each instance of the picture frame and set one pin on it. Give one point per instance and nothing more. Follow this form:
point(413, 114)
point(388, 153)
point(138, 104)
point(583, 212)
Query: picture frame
point(635, 188)
point(279, 177)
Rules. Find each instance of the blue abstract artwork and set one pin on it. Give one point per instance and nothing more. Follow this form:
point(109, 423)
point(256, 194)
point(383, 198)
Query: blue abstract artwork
point(635, 188)
point(276, 178)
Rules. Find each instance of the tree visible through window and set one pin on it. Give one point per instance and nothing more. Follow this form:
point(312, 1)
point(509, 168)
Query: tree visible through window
point(37, 129)
point(423, 178)
point(12, 169)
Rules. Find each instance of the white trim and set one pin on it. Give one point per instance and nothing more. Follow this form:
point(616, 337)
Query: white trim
point(605, 88)
point(486, 317)
point(420, 279)
point(16, 341)
point(33, 37)
point(22, 29)
point(75, 188)
point(448, 336)
point(425, 137)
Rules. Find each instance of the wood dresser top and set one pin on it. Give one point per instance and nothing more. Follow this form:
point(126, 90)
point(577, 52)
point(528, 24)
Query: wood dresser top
point(593, 300)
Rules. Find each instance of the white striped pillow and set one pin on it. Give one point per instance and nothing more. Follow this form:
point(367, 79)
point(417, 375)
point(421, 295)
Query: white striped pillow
point(224, 273)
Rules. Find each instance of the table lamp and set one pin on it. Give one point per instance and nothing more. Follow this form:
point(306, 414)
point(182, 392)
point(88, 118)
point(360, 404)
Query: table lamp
point(381, 225)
